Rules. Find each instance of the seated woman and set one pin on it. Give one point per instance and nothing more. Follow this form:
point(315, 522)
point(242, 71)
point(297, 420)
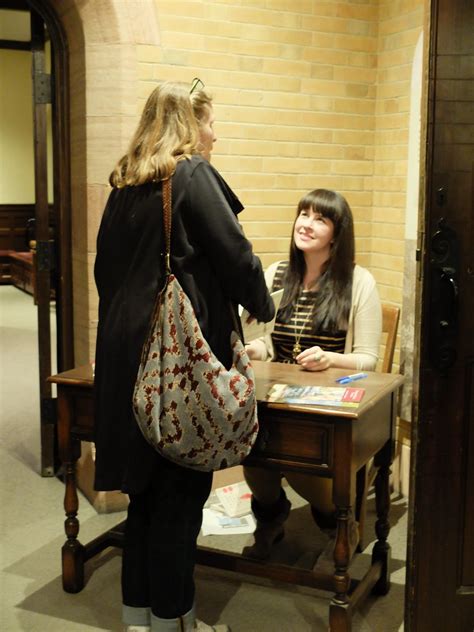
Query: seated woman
point(330, 316)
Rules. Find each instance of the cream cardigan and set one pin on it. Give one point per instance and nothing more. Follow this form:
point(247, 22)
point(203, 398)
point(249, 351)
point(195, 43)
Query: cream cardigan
point(365, 321)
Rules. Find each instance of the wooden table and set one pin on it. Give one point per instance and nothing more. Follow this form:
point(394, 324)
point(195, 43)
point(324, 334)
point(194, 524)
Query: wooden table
point(325, 441)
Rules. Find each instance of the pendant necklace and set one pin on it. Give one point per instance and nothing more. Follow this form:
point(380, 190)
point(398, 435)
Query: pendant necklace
point(297, 347)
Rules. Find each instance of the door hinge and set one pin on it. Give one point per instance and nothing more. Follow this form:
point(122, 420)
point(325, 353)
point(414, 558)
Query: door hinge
point(419, 253)
point(42, 87)
point(45, 255)
point(49, 410)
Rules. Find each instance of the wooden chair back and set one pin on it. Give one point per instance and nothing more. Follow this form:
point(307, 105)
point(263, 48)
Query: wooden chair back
point(390, 318)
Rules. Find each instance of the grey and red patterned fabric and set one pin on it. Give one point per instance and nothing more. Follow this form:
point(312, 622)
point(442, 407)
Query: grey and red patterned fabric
point(192, 409)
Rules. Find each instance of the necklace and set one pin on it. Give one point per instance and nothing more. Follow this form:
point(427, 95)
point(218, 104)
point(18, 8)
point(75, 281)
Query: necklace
point(297, 347)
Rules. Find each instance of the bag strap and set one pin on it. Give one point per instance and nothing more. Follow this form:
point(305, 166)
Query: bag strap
point(167, 206)
point(159, 297)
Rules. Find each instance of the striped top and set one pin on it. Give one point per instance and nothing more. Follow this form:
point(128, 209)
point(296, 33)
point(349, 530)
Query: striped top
point(299, 328)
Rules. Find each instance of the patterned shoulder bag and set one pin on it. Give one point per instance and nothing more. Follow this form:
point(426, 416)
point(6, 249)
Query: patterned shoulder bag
point(189, 407)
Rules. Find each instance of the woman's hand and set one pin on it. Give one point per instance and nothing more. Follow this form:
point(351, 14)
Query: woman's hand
point(314, 359)
point(254, 350)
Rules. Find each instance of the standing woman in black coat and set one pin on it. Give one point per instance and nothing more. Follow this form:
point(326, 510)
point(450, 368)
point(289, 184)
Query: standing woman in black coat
point(214, 263)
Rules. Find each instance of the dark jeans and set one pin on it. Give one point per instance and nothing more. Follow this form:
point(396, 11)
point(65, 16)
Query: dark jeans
point(159, 553)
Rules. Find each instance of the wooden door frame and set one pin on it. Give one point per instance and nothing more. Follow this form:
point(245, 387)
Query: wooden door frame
point(61, 181)
point(427, 573)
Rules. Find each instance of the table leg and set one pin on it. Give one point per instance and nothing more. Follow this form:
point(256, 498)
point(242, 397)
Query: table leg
point(382, 550)
point(340, 615)
point(73, 552)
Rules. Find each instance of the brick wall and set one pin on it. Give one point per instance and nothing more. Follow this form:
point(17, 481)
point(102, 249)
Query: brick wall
point(307, 94)
point(399, 26)
point(294, 89)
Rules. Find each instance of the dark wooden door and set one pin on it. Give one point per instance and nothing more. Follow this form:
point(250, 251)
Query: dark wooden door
point(53, 246)
point(41, 81)
point(440, 565)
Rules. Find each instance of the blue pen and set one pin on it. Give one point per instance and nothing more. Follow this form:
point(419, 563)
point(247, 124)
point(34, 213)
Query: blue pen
point(351, 378)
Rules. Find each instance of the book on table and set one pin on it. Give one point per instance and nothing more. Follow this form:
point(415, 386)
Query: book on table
point(342, 396)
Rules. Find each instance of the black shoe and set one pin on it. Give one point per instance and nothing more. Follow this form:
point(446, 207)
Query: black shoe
point(267, 534)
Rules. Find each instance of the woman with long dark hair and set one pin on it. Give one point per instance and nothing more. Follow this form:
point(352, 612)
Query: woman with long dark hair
point(330, 316)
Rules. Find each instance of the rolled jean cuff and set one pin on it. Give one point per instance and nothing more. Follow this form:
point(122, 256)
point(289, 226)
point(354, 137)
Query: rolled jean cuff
point(185, 622)
point(135, 616)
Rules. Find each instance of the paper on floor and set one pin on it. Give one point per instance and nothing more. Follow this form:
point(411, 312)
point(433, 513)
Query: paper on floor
point(227, 511)
point(215, 523)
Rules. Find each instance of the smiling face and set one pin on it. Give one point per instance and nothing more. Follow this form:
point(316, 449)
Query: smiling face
point(206, 132)
point(313, 233)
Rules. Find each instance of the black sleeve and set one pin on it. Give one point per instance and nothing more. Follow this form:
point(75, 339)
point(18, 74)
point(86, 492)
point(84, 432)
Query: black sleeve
point(217, 230)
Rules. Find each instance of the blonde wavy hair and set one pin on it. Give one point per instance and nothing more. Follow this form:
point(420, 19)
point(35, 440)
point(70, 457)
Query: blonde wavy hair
point(168, 131)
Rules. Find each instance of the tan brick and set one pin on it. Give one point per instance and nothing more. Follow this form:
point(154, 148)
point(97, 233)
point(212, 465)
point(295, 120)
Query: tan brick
point(352, 167)
point(248, 64)
point(259, 148)
point(304, 6)
point(388, 230)
point(389, 183)
point(313, 150)
point(183, 8)
point(399, 57)
point(341, 26)
point(403, 6)
point(325, 56)
point(254, 15)
point(363, 259)
point(353, 137)
point(388, 277)
point(387, 262)
point(354, 152)
point(263, 244)
point(347, 73)
point(216, 61)
point(149, 54)
point(357, 10)
point(252, 48)
point(358, 198)
point(353, 42)
point(146, 72)
point(394, 73)
point(274, 229)
point(355, 106)
point(298, 165)
point(307, 94)
point(286, 67)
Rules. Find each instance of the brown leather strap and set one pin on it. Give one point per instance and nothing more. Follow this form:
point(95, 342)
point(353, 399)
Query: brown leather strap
point(167, 206)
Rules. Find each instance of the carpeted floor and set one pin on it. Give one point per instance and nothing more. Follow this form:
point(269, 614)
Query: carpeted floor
point(31, 533)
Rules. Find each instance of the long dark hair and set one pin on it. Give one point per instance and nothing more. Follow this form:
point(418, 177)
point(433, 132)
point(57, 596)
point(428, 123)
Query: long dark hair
point(334, 290)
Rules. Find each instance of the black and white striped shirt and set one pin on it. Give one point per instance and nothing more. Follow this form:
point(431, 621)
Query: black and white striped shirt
point(298, 327)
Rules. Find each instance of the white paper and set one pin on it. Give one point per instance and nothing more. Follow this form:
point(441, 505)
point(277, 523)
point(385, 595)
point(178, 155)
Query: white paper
point(215, 523)
point(235, 499)
point(255, 329)
point(215, 519)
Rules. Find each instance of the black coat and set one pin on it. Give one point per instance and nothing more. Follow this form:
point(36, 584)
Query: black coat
point(214, 263)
